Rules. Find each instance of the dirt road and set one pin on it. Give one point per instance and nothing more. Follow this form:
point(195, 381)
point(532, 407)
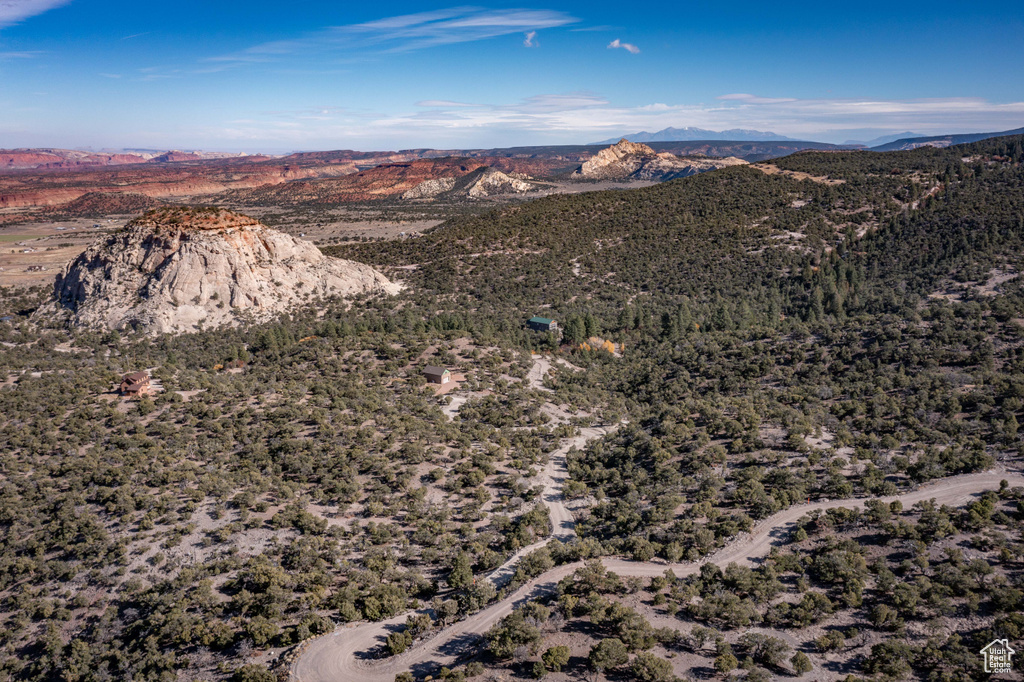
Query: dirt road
point(535, 377)
point(347, 655)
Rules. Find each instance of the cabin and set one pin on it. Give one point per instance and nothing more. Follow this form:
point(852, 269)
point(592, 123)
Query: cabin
point(542, 324)
point(135, 384)
point(437, 375)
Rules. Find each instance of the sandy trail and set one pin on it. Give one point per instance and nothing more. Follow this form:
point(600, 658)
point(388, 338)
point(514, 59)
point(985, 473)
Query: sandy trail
point(562, 521)
point(552, 478)
point(453, 407)
point(535, 377)
point(347, 654)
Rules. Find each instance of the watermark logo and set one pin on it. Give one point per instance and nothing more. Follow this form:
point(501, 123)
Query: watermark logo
point(997, 655)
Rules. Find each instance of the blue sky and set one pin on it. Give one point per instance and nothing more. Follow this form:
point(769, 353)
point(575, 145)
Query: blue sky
point(275, 77)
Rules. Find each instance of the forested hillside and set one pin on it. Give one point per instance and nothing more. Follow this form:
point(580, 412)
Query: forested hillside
point(833, 325)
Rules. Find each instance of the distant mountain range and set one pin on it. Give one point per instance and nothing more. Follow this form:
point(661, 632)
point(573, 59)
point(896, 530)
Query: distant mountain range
point(690, 134)
point(941, 140)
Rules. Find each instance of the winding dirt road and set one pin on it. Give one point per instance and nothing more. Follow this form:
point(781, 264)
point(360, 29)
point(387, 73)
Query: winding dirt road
point(351, 653)
point(346, 654)
point(563, 524)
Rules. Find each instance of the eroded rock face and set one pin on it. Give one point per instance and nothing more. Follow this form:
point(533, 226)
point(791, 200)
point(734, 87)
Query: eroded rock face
point(480, 183)
point(631, 161)
point(619, 160)
point(430, 188)
point(176, 269)
point(493, 181)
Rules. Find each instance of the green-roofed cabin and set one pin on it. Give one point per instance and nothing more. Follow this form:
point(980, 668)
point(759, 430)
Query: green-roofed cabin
point(542, 324)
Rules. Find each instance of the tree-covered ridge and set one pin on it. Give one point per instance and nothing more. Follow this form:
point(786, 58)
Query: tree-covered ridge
point(766, 244)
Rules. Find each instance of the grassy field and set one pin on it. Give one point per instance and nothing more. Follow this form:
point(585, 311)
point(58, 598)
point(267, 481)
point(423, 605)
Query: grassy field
point(16, 237)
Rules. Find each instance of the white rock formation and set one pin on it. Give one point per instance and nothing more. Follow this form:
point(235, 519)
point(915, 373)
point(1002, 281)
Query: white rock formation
point(632, 161)
point(176, 269)
point(481, 183)
point(493, 181)
point(430, 188)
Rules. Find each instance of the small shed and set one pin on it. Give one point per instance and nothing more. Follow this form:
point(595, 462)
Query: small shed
point(135, 384)
point(542, 324)
point(437, 375)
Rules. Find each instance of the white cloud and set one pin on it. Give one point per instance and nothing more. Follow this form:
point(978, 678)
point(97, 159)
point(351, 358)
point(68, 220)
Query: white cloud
point(29, 54)
point(754, 99)
point(530, 39)
point(407, 33)
point(628, 47)
point(14, 11)
point(567, 102)
point(441, 103)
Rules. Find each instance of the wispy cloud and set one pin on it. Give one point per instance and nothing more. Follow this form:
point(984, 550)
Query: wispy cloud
point(15, 11)
point(29, 54)
point(530, 39)
point(754, 99)
point(555, 103)
point(628, 47)
point(441, 103)
point(407, 33)
point(136, 35)
point(156, 73)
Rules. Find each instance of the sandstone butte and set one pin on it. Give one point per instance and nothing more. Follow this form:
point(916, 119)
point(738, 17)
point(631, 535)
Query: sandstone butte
point(636, 161)
point(182, 269)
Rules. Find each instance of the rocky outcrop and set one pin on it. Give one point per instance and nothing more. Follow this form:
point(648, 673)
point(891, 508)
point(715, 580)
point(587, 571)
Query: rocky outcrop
point(618, 161)
point(478, 184)
point(631, 161)
point(491, 182)
point(669, 167)
point(428, 189)
point(183, 269)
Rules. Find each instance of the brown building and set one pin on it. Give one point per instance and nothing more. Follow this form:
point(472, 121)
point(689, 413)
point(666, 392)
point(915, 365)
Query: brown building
point(437, 375)
point(135, 384)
